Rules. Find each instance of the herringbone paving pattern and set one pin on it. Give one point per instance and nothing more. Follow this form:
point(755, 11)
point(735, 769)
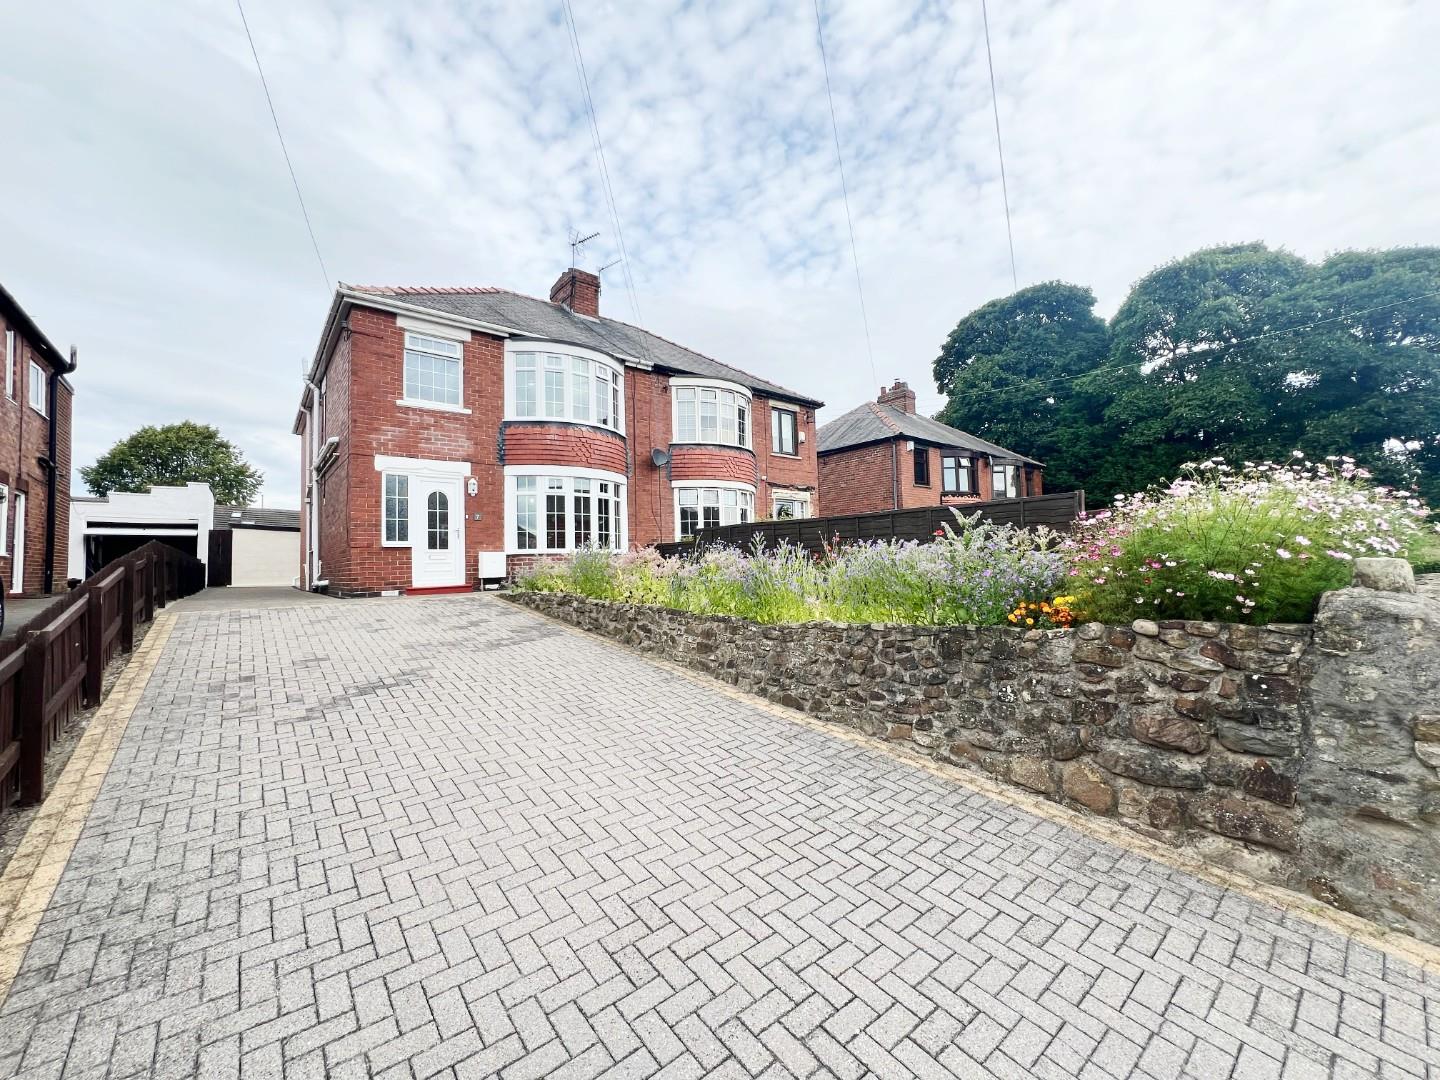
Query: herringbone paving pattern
point(448, 838)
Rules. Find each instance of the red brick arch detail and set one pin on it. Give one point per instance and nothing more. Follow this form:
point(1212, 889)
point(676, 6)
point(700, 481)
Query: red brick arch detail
point(712, 463)
point(562, 444)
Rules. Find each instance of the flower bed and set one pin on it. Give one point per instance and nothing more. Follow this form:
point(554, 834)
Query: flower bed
point(1256, 545)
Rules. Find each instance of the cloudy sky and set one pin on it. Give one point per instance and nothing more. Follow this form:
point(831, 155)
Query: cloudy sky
point(147, 216)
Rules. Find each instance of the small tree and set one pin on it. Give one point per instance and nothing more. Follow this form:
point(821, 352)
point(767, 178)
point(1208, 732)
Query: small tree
point(171, 455)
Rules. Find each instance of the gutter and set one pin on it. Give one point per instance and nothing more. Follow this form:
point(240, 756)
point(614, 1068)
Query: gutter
point(52, 469)
point(895, 474)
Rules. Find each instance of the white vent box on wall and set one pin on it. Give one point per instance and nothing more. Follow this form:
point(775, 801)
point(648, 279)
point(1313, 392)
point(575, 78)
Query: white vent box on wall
point(492, 565)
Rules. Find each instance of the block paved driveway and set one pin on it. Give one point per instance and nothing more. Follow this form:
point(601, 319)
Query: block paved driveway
point(446, 837)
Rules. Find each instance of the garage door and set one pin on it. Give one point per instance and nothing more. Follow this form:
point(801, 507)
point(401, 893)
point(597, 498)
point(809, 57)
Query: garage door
point(264, 557)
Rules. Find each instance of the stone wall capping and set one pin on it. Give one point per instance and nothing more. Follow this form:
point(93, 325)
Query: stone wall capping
point(1384, 575)
point(1305, 755)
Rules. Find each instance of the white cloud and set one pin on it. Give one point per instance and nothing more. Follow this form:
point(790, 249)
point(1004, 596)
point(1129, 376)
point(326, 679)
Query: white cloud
point(148, 216)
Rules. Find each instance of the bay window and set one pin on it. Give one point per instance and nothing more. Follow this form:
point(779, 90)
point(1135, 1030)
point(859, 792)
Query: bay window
point(565, 386)
point(711, 414)
point(699, 508)
point(553, 513)
point(957, 475)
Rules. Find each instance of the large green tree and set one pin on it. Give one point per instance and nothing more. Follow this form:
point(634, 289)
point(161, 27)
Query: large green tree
point(1007, 370)
point(1363, 378)
point(1239, 350)
point(1179, 383)
point(175, 454)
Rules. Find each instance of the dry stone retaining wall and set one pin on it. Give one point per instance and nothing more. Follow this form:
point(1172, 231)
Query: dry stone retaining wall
point(1305, 755)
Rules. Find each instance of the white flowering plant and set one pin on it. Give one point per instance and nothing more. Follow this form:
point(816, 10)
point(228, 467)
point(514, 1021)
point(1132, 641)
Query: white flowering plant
point(1256, 543)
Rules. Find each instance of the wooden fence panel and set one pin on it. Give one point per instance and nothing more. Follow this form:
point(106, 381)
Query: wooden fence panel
point(60, 664)
point(10, 670)
point(1055, 511)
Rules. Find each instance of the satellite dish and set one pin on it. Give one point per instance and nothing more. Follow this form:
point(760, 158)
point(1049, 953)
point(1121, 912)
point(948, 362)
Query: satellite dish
point(659, 458)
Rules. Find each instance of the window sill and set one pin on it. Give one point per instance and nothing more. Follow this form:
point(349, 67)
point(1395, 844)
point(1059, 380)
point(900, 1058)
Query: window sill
point(433, 406)
point(588, 425)
point(782, 453)
point(712, 445)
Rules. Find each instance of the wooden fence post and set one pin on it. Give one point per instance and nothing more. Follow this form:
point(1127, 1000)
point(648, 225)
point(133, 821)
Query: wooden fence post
point(94, 646)
point(31, 703)
point(127, 609)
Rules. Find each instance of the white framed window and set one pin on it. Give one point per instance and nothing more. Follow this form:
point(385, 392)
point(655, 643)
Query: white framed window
point(708, 411)
point(790, 504)
point(1007, 481)
point(711, 504)
point(571, 385)
point(784, 427)
point(10, 364)
point(395, 511)
point(957, 475)
point(37, 389)
point(554, 510)
point(4, 522)
point(433, 376)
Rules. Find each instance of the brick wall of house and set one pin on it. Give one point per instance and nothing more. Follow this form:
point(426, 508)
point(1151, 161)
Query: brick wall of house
point(24, 437)
point(364, 382)
point(713, 463)
point(858, 480)
point(782, 471)
point(563, 444)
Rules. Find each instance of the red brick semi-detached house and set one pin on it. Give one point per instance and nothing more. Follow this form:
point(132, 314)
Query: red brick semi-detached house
point(451, 436)
point(882, 456)
point(35, 401)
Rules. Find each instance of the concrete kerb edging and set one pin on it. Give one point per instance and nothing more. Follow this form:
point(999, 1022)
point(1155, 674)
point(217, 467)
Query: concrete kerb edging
point(30, 878)
point(1401, 946)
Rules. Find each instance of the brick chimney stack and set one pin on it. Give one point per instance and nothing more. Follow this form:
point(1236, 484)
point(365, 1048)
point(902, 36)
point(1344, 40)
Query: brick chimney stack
point(899, 396)
point(577, 290)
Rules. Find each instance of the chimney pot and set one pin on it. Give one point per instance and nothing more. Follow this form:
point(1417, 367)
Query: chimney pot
point(578, 290)
point(899, 396)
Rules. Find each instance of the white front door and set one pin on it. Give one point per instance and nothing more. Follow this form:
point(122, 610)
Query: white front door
point(17, 550)
point(437, 533)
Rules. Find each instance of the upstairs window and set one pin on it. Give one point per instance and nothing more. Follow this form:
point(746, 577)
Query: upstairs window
point(710, 414)
point(10, 364)
point(1007, 481)
point(559, 386)
point(37, 389)
point(922, 466)
point(4, 522)
point(783, 428)
point(432, 370)
point(957, 475)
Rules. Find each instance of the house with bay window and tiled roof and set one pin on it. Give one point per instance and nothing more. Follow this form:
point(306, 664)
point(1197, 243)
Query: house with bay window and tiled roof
point(452, 435)
point(883, 456)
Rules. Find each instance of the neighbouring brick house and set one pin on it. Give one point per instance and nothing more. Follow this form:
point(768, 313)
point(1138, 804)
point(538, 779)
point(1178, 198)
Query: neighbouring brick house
point(450, 436)
point(35, 400)
point(882, 456)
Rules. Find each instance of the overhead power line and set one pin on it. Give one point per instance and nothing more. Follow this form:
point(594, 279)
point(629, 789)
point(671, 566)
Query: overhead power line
point(844, 189)
point(264, 85)
point(999, 145)
point(606, 186)
point(1211, 350)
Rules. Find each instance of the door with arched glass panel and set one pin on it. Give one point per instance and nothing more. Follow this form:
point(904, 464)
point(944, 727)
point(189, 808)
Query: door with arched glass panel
point(437, 534)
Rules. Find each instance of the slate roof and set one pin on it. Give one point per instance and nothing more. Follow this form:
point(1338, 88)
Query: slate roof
point(532, 317)
point(873, 422)
point(227, 517)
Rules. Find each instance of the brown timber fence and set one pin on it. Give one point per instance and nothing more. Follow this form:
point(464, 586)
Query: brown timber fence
point(1055, 511)
point(55, 663)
